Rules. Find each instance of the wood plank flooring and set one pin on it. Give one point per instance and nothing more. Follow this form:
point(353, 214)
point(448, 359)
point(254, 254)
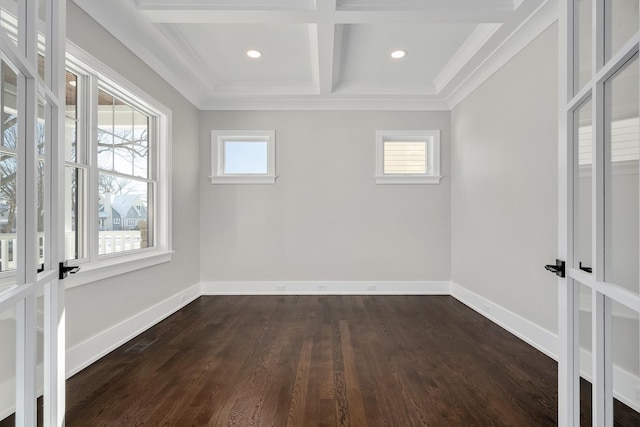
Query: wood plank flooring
point(320, 361)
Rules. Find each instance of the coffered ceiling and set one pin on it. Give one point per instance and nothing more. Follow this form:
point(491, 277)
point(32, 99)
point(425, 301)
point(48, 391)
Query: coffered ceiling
point(324, 54)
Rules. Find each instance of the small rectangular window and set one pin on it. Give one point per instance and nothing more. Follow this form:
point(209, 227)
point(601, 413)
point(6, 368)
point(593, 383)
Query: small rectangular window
point(408, 157)
point(405, 158)
point(116, 221)
point(243, 157)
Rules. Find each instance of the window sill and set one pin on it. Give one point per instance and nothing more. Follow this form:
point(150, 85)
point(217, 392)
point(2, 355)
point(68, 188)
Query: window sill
point(248, 179)
point(408, 179)
point(115, 266)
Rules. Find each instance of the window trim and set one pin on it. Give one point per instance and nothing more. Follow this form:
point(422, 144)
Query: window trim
point(219, 137)
point(432, 140)
point(94, 266)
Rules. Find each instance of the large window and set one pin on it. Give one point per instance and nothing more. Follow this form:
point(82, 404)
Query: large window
point(116, 153)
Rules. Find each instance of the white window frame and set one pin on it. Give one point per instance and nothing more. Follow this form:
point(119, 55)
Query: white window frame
point(432, 140)
point(116, 221)
point(219, 137)
point(94, 266)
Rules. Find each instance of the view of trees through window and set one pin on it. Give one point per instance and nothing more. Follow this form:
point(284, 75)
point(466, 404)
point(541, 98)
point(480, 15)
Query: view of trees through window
point(122, 177)
point(123, 163)
point(8, 169)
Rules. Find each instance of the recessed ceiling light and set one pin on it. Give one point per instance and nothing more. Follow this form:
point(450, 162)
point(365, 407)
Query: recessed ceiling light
point(254, 54)
point(397, 54)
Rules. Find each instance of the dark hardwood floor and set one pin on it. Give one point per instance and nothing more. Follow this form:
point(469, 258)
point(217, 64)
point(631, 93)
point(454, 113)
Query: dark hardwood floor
point(322, 361)
point(307, 361)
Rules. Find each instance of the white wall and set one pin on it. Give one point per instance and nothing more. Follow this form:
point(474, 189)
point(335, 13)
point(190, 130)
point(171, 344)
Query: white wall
point(96, 307)
point(504, 185)
point(325, 218)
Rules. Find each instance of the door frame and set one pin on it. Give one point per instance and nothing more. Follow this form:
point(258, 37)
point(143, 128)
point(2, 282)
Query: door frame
point(603, 294)
point(30, 281)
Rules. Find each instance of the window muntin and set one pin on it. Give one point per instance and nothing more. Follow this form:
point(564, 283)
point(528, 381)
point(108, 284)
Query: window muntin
point(408, 157)
point(243, 157)
point(124, 153)
point(117, 159)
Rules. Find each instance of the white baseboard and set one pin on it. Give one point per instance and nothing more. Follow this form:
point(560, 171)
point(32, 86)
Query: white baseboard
point(529, 332)
point(84, 354)
point(327, 288)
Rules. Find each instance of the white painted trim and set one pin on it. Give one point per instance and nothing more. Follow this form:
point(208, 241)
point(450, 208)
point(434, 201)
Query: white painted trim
point(218, 139)
point(335, 103)
point(535, 25)
point(85, 353)
point(110, 267)
point(408, 179)
point(469, 48)
point(529, 332)
point(326, 288)
point(431, 139)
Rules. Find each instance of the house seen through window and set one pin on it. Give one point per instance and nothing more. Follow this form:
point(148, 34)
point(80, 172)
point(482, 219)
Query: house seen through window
point(114, 193)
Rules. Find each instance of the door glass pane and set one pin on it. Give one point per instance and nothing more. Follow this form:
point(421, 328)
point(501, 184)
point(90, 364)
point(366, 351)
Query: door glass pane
point(40, 179)
point(73, 214)
point(582, 37)
point(124, 215)
point(621, 23)
point(9, 169)
point(42, 38)
point(40, 359)
point(626, 365)
point(622, 148)
point(9, 18)
point(584, 328)
point(7, 367)
point(71, 118)
point(582, 191)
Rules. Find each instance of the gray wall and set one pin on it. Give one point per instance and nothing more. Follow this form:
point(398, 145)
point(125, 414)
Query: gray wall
point(325, 218)
point(95, 307)
point(504, 185)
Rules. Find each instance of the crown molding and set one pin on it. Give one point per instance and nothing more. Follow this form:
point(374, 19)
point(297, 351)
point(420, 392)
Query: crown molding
point(545, 16)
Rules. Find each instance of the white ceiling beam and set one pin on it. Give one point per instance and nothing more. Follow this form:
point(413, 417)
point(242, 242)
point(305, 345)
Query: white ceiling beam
point(386, 5)
point(206, 16)
point(469, 48)
point(198, 66)
point(226, 4)
point(119, 17)
point(326, 44)
point(442, 16)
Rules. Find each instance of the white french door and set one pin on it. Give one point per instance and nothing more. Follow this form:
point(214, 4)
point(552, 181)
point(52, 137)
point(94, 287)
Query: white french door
point(32, 102)
point(599, 152)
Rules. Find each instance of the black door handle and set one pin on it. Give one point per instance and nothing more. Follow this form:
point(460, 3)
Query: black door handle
point(587, 269)
point(557, 268)
point(66, 269)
